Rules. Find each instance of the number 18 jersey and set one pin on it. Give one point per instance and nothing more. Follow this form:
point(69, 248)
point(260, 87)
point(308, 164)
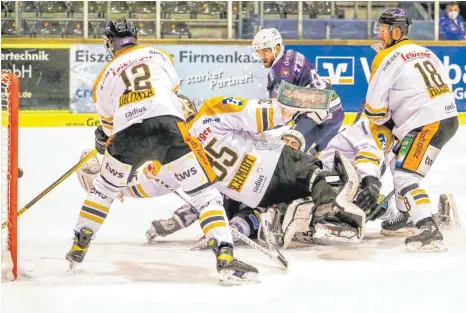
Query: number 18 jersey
point(410, 85)
point(228, 130)
point(139, 83)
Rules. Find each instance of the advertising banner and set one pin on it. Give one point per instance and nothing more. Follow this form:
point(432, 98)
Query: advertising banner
point(348, 68)
point(205, 71)
point(44, 77)
point(230, 70)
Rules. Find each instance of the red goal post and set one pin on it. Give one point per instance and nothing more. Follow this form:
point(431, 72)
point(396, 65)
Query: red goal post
point(9, 163)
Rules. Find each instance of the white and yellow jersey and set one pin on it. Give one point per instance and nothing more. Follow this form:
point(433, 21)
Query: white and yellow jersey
point(410, 85)
point(227, 128)
point(365, 144)
point(139, 83)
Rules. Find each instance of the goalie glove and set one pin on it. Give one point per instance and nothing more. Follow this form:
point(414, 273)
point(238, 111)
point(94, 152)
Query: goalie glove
point(100, 140)
point(370, 191)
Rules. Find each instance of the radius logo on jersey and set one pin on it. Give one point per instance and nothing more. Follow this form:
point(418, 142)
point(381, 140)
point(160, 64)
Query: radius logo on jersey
point(259, 183)
point(135, 112)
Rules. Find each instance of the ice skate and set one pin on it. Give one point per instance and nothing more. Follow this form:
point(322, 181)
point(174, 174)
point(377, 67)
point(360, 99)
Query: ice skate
point(400, 226)
point(332, 229)
point(82, 240)
point(162, 228)
point(430, 238)
point(230, 268)
point(447, 216)
point(201, 244)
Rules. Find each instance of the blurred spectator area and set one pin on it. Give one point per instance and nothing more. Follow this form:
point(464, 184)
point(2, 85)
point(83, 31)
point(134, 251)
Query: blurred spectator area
point(208, 19)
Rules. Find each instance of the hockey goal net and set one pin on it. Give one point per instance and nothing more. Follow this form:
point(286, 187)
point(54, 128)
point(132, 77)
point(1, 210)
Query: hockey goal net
point(9, 156)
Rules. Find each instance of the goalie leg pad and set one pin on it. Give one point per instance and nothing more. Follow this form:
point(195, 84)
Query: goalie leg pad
point(297, 219)
point(89, 171)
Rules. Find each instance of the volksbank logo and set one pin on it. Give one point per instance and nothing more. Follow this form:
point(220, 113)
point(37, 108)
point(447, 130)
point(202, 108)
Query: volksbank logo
point(337, 70)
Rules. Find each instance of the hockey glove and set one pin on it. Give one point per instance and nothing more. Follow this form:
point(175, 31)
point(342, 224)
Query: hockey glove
point(321, 190)
point(370, 190)
point(100, 140)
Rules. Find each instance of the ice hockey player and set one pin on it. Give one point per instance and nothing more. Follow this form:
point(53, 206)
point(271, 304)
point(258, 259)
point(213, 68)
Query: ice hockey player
point(367, 146)
point(293, 67)
point(410, 92)
point(262, 173)
point(241, 217)
point(143, 120)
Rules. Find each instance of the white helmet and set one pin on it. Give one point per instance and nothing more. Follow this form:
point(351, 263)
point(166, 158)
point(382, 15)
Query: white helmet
point(267, 38)
point(296, 135)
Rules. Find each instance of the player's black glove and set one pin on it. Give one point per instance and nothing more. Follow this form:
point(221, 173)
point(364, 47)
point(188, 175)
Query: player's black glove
point(100, 140)
point(370, 190)
point(321, 190)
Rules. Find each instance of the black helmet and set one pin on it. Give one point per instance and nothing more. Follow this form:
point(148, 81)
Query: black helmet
point(396, 18)
point(119, 34)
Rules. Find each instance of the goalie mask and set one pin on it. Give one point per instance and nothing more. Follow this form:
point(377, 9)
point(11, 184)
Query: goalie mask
point(189, 108)
point(119, 34)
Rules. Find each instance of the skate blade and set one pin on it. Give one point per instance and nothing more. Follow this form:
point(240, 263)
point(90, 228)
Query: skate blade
point(228, 277)
point(434, 246)
point(200, 245)
point(73, 267)
point(403, 232)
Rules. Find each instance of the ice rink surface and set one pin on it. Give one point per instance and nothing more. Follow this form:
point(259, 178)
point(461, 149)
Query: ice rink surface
point(122, 273)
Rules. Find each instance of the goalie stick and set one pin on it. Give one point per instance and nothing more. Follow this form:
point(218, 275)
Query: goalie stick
point(274, 254)
point(54, 184)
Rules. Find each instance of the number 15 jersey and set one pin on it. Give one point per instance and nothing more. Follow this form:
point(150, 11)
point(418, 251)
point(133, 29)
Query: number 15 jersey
point(410, 85)
point(228, 130)
point(139, 83)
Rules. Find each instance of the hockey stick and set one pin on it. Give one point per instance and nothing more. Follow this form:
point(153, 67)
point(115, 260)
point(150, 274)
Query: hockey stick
point(379, 207)
point(360, 112)
point(275, 255)
point(54, 184)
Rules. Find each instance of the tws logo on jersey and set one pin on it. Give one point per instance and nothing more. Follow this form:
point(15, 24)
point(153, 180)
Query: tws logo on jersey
point(338, 70)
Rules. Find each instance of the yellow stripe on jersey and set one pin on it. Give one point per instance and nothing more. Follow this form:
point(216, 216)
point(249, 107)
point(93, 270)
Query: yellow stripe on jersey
point(270, 115)
point(417, 191)
point(368, 155)
point(375, 114)
point(96, 205)
point(260, 127)
point(264, 119)
point(141, 191)
point(91, 217)
point(210, 213)
point(211, 226)
point(360, 161)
